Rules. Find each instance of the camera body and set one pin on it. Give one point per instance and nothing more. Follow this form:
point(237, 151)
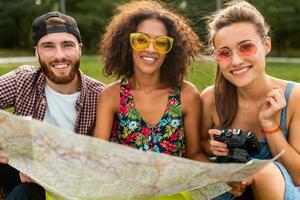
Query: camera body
point(241, 145)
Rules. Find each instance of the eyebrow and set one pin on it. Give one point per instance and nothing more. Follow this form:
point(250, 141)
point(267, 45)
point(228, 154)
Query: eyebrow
point(240, 42)
point(152, 37)
point(63, 42)
point(243, 41)
point(46, 43)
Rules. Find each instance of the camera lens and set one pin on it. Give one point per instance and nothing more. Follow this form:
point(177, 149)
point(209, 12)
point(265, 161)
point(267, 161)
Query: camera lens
point(228, 133)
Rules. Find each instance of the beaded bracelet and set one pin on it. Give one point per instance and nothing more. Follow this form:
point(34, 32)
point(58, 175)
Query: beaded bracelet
point(278, 128)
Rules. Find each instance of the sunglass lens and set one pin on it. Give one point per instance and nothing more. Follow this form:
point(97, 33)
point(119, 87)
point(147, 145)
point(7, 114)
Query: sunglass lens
point(163, 44)
point(247, 49)
point(139, 41)
point(222, 55)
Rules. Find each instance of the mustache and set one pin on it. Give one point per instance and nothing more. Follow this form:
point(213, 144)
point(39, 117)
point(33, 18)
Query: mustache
point(60, 60)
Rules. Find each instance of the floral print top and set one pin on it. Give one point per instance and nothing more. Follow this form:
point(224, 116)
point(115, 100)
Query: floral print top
point(167, 136)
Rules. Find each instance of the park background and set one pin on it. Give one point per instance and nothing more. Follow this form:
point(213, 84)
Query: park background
point(92, 16)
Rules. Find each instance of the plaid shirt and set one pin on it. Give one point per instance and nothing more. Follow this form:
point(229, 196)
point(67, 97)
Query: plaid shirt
point(24, 90)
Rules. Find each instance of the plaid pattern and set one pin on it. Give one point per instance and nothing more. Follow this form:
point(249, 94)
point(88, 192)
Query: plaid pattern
point(23, 90)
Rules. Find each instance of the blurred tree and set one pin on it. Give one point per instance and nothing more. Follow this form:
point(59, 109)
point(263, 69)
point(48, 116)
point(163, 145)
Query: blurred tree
point(284, 19)
point(16, 18)
point(92, 17)
point(195, 12)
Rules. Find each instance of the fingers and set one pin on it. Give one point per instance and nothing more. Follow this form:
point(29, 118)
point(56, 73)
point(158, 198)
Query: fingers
point(3, 160)
point(248, 181)
point(276, 98)
point(237, 192)
point(25, 179)
point(238, 188)
point(217, 148)
point(213, 132)
point(274, 102)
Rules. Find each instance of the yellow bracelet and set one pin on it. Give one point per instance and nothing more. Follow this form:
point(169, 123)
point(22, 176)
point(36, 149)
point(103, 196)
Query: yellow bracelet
point(278, 128)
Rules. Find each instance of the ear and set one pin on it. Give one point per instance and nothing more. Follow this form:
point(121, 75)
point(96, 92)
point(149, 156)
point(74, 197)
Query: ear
point(36, 52)
point(80, 48)
point(267, 45)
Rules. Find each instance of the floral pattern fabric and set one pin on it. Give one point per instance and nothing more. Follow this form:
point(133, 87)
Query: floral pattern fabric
point(130, 129)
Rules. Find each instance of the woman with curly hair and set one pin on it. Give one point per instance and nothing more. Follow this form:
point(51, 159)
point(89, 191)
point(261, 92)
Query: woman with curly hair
point(149, 47)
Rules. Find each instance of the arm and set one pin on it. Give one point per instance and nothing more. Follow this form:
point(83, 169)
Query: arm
point(209, 119)
point(191, 105)
point(207, 99)
point(293, 161)
point(8, 84)
point(214, 148)
point(107, 107)
point(270, 111)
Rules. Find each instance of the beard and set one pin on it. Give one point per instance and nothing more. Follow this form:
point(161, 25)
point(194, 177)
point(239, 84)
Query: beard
point(60, 80)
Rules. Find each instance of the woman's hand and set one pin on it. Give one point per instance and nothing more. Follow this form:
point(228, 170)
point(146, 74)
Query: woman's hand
point(238, 188)
point(217, 148)
point(273, 103)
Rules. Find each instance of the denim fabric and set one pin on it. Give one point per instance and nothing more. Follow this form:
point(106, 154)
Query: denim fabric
point(291, 192)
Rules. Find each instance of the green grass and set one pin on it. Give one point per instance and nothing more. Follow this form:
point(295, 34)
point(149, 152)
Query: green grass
point(201, 76)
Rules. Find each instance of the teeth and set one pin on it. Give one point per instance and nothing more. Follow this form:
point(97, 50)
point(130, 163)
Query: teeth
point(150, 59)
point(240, 71)
point(60, 66)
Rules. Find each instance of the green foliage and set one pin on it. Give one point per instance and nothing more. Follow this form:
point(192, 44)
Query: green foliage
point(93, 16)
point(284, 19)
point(16, 18)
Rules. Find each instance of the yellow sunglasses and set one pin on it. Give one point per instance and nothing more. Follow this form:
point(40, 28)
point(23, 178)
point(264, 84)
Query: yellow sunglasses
point(140, 42)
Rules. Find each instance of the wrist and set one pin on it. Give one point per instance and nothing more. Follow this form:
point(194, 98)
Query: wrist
point(268, 124)
point(270, 131)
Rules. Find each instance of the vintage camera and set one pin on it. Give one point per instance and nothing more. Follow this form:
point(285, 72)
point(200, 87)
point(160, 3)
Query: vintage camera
point(241, 145)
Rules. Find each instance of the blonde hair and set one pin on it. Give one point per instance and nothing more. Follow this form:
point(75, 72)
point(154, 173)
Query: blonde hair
point(234, 12)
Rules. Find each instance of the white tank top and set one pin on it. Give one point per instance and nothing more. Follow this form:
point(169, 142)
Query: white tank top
point(60, 110)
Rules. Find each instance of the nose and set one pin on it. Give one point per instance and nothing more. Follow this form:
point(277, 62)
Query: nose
point(151, 46)
point(236, 58)
point(59, 53)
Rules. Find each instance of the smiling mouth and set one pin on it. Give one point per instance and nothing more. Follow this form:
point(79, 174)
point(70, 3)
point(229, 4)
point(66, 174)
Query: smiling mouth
point(149, 58)
point(60, 66)
point(240, 70)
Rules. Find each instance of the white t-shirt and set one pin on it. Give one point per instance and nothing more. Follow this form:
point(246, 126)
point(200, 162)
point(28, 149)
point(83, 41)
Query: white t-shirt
point(60, 110)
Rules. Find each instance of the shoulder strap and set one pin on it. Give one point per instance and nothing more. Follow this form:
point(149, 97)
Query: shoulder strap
point(283, 116)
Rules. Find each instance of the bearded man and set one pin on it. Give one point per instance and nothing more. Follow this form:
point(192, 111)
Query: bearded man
point(57, 92)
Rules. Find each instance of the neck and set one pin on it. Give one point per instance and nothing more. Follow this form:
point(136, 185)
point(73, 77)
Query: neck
point(257, 90)
point(145, 84)
point(68, 88)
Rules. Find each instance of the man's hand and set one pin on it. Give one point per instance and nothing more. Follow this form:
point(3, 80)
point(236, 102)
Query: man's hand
point(3, 160)
point(26, 179)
